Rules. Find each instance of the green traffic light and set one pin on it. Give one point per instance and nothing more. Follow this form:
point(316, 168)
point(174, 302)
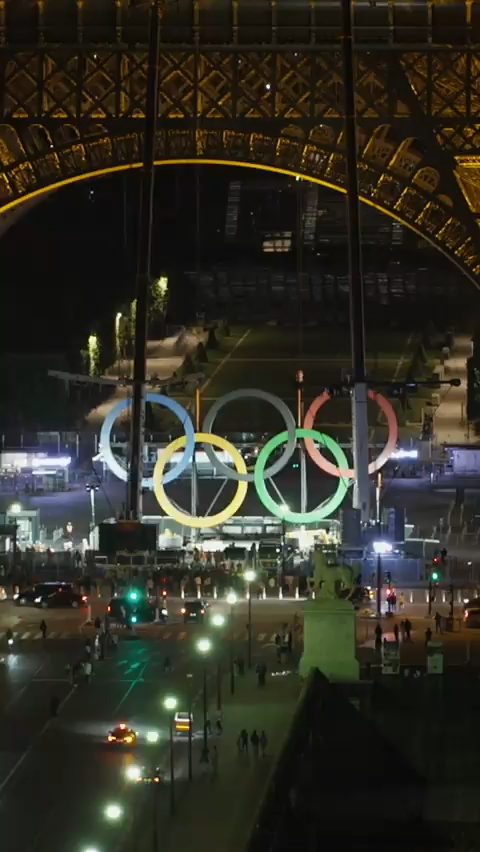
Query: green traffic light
point(133, 596)
point(435, 576)
point(134, 619)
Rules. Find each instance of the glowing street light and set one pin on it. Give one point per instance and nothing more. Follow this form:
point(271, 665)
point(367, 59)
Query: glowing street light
point(170, 703)
point(90, 849)
point(232, 600)
point(218, 620)
point(15, 509)
point(153, 737)
point(204, 646)
point(133, 773)
point(113, 812)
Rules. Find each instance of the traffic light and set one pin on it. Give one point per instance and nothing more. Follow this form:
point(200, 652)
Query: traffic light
point(435, 569)
point(435, 576)
point(133, 595)
point(388, 577)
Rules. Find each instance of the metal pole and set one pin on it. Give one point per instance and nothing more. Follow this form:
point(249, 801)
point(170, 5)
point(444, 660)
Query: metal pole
point(361, 495)
point(92, 505)
point(379, 585)
point(249, 626)
point(172, 770)
point(190, 761)
point(143, 268)
point(205, 717)
point(219, 686)
point(232, 667)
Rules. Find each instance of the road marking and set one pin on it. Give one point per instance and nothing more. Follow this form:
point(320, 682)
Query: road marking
point(261, 637)
point(138, 679)
point(25, 635)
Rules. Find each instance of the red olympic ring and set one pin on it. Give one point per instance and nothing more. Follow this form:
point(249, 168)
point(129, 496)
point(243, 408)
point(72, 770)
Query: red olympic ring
point(349, 473)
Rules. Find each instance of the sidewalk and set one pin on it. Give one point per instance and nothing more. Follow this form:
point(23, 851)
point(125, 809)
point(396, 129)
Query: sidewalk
point(218, 813)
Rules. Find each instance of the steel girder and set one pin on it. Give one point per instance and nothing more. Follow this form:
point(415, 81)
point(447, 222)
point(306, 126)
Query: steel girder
point(71, 111)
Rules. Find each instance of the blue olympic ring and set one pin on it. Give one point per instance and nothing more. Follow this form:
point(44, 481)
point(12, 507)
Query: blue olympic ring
point(172, 405)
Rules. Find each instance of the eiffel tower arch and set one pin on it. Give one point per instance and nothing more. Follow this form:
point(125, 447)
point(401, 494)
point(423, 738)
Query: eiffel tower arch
point(259, 86)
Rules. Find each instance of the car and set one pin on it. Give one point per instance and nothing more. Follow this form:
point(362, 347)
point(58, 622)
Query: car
point(61, 598)
point(122, 735)
point(149, 776)
point(194, 611)
point(182, 722)
point(28, 596)
point(127, 612)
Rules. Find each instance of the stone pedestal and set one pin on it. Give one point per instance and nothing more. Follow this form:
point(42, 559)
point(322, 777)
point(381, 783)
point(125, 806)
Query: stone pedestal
point(329, 640)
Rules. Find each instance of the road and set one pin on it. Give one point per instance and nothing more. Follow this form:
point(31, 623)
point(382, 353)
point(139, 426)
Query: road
point(60, 772)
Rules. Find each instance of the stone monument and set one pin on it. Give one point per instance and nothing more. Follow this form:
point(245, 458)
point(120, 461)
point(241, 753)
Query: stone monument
point(329, 631)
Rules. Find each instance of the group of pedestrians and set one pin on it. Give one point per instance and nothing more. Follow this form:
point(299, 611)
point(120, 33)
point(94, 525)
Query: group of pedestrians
point(258, 742)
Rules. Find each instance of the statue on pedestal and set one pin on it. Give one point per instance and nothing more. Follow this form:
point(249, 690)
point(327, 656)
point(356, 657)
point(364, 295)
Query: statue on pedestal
point(329, 622)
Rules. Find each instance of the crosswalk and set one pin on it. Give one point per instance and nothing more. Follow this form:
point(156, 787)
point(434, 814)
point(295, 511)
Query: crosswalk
point(152, 634)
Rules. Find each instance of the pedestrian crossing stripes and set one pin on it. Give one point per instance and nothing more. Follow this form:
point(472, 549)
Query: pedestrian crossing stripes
point(150, 634)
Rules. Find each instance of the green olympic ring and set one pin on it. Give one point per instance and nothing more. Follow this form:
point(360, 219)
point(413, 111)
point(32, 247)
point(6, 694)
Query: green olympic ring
point(328, 506)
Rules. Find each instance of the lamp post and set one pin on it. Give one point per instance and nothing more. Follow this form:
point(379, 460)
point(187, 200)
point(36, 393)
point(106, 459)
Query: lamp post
point(249, 578)
point(170, 705)
point(204, 646)
point(218, 620)
point(145, 228)
point(113, 812)
point(190, 722)
point(231, 599)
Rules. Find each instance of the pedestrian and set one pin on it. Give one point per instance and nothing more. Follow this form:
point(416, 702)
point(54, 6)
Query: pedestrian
point(378, 637)
point(408, 630)
point(401, 601)
point(97, 623)
point(87, 668)
point(43, 628)
point(255, 742)
point(438, 623)
point(214, 760)
point(396, 634)
point(208, 727)
point(68, 672)
point(243, 738)
point(428, 635)
point(402, 630)
point(261, 671)
point(263, 743)
point(241, 666)
point(219, 727)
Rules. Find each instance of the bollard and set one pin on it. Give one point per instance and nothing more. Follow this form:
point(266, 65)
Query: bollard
point(182, 593)
point(313, 594)
point(88, 619)
point(426, 597)
point(199, 592)
point(411, 596)
point(264, 593)
point(444, 597)
point(296, 594)
point(157, 615)
point(459, 596)
point(215, 593)
point(280, 593)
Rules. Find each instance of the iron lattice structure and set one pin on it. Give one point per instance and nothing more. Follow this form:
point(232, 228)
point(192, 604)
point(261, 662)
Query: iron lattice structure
point(255, 84)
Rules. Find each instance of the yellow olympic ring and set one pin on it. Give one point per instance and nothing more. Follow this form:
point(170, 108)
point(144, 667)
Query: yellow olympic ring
point(183, 517)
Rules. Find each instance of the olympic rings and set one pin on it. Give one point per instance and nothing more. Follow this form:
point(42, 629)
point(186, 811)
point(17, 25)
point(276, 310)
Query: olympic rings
point(282, 408)
point(172, 405)
point(182, 517)
point(327, 507)
point(345, 471)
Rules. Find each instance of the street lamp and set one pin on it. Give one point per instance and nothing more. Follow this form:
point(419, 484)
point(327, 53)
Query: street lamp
point(133, 773)
point(170, 703)
point(90, 849)
point(113, 812)
point(249, 579)
point(218, 620)
point(232, 600)
point(153, 737)
point(92, 490)
point(204, 646)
